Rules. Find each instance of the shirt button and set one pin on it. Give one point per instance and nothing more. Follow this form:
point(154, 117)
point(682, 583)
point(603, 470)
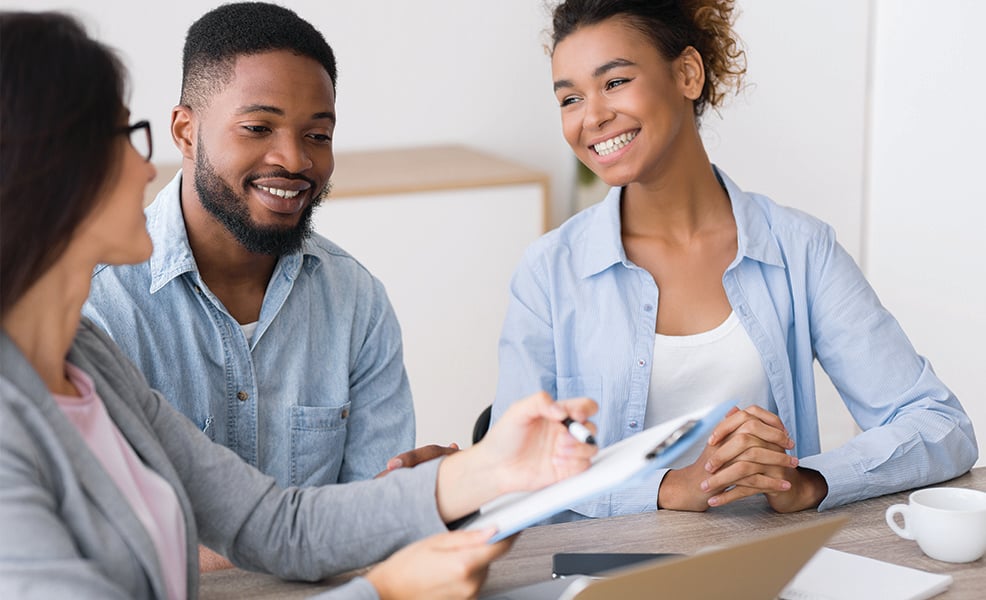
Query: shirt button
point(641, 362)
point(633, 424)
point(242, 396)
point(648, 307)
point(345, 413)
point(198, 290)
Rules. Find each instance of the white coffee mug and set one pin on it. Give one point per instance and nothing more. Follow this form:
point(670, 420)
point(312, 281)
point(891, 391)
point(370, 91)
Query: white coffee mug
point(949, 524)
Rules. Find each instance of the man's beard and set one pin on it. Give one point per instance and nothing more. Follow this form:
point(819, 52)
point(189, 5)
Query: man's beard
point(231, 210)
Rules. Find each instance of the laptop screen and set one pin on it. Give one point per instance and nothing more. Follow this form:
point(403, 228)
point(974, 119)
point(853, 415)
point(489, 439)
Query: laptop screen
point(753, 569)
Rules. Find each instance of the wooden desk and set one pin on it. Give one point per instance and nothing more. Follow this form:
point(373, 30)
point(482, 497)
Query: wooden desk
point(529, 561)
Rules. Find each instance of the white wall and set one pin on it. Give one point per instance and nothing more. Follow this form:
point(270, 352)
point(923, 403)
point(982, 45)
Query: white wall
point(871, 124)
point(796, 131)
point(411, 73)
point(859, 112)
point(926, 241)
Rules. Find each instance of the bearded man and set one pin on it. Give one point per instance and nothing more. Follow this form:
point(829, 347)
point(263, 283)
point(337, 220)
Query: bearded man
point(276, 342)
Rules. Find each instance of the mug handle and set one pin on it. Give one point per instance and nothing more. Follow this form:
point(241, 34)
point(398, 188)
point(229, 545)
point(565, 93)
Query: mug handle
point(893, 511)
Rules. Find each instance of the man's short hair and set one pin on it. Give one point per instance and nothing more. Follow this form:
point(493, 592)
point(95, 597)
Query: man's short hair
point(219, 37)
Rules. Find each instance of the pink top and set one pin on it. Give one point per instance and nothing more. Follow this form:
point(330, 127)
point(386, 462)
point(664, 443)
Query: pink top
point(153, 500)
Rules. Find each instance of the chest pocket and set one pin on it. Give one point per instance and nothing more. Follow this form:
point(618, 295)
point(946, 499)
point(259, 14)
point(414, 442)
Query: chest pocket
point(318, 440)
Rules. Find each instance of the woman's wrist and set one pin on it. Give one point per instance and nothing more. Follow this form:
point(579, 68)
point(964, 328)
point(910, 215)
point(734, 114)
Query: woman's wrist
point(379, 582)
point(675, 493)
point(466, 480)
point(814, 487)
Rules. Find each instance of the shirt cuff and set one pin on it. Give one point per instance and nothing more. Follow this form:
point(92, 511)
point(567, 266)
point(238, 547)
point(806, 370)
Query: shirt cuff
point(841, 476)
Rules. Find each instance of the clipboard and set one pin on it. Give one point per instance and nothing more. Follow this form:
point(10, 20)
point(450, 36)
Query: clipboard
point(625, 462)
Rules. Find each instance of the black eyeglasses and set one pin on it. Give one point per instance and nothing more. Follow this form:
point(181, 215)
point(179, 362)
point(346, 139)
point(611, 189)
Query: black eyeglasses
point(140, 138)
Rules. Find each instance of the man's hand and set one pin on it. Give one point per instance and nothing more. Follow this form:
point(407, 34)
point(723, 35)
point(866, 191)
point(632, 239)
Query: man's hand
point(417, 456)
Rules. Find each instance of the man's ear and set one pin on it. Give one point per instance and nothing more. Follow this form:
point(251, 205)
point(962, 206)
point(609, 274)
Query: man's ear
point(690, 73)
point(183, 131)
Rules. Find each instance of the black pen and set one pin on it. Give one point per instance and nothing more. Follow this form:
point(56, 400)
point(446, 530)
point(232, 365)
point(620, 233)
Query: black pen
point(579, 431)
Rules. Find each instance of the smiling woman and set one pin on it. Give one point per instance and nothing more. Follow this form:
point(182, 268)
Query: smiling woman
point(680, 290)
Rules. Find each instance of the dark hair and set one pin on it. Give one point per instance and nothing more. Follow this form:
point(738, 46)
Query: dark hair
point(673, 25)
point(220, 36)
point(61, 101)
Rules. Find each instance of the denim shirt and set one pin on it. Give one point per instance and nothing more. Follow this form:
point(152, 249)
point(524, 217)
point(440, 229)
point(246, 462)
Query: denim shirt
point(319, 395)
point(581, 322)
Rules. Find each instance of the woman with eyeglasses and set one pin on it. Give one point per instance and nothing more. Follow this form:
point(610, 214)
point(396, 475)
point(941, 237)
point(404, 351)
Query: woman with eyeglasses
point(105, 490)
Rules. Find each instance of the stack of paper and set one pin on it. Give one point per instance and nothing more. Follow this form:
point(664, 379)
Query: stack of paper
point(835, 575)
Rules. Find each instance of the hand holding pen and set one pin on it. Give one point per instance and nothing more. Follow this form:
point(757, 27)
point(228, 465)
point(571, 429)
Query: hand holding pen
point(579, 431)
point(528, 447)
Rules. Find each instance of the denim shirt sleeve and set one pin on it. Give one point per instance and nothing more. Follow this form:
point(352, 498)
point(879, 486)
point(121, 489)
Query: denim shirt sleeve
point(915, 432)
point(382, 421)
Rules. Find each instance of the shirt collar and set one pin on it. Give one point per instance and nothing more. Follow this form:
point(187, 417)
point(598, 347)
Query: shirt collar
point(753, 236)
point(603, 243)
point(172, 254)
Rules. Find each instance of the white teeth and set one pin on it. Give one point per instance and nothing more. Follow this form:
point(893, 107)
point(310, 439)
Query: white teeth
point(614, 143)
point(279, 192)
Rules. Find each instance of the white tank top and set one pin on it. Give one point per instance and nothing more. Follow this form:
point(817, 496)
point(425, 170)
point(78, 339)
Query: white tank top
point(249, 329)
point(691, 372)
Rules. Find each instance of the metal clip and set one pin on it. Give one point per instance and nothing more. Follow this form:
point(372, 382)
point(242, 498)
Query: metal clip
point(669, 441)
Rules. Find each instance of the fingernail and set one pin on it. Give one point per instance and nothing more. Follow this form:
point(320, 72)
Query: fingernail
point(713, 501)
point(785, 485)
point(711, 440)
point(708, 466)
point(704, 485)
point(395, 464)
point(794, 461)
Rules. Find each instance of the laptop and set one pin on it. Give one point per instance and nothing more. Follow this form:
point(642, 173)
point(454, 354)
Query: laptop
point(756, 569)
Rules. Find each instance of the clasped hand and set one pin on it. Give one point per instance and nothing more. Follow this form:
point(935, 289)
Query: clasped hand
point(745, 455)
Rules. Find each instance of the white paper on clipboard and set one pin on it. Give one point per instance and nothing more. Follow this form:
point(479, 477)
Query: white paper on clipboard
point(624, 462)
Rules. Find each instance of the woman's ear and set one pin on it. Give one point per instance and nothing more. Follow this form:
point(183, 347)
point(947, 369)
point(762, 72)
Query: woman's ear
point(182, 130)
point(690, 73)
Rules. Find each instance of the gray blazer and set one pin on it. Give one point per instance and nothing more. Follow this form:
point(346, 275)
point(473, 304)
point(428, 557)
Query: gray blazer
point(67, 531)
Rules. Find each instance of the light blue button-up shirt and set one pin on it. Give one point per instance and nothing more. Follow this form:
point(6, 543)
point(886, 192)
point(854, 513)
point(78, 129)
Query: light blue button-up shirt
point(582, 317)
point(319, 395)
